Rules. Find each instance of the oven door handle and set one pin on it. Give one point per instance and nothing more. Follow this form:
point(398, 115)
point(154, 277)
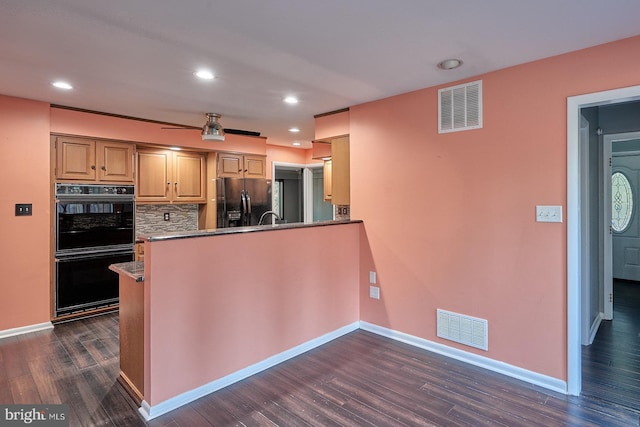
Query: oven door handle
point(79, 257)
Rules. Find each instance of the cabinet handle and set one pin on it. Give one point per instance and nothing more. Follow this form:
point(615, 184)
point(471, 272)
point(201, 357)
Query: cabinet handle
point(104, 168)
point(93, 167)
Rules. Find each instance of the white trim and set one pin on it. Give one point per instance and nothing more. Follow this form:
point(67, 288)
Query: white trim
point(585, 233)
point(607, 238)
point(150, 412)
point(574, 267)
point(594, 327)
point(25, 329)
point(541, 380)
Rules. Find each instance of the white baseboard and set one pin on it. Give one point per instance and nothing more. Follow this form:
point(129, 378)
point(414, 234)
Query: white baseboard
point(25, 329)
point(595, 326)
point(550, 383)
point(541, 380)
point(150, 412)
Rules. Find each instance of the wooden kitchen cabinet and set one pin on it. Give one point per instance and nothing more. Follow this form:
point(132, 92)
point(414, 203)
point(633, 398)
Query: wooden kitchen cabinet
point(336, 173)
point(327, 180)
point(139, 252)
point(90, 160)
point(233, 165)
point(131, 328)
point(340, 176)
point(166, 176)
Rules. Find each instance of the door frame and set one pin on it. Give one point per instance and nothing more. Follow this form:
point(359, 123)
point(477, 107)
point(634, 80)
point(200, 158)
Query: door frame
point(575, 205)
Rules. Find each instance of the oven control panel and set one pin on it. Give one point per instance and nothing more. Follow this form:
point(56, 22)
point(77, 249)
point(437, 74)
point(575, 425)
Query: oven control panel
point(93, 190)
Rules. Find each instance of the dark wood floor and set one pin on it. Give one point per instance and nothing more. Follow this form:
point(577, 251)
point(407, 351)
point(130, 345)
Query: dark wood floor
point(357, 380)
point(611, 365)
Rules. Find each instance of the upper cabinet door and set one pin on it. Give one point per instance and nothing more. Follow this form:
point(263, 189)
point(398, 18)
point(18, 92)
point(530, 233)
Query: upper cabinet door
point(241, 166)
point(340, 173)
point(189, 177)
point(76, 159)
point(154, 183)
point(255, 167)
point(166, 176)
point(230, 165)
point(114, 161)
point(87, 160)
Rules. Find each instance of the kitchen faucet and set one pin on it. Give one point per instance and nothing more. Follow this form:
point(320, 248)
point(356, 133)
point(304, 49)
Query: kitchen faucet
point(269, 213)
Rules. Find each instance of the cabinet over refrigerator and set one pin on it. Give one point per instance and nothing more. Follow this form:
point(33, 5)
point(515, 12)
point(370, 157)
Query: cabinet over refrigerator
point(241, 201)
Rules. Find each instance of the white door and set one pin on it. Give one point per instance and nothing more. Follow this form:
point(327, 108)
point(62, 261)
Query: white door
point(625, 222)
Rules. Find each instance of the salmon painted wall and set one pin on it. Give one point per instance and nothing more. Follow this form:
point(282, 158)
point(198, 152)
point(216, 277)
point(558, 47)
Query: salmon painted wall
point(280, 153)
point(101, 126)
point(24, 241)
point(220, 304)
point(456, 227)
point(331, 125)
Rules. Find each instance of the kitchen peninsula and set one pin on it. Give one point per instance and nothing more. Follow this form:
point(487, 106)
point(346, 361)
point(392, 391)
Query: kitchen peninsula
point(211, 307)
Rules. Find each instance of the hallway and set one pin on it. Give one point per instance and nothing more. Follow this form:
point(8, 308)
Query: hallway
point(611, 365)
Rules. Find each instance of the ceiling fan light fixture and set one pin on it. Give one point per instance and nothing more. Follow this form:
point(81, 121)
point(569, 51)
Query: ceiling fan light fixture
point(212, 130)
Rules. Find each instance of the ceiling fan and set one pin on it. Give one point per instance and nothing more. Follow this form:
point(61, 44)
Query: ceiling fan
point(211, 131)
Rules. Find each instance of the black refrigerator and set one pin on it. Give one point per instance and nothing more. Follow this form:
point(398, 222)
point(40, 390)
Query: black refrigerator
point(241, 201)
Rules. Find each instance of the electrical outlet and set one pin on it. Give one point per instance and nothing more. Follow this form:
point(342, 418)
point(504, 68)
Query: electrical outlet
point(374, 292)
point(23, 209)
point(548, 213)
point(167, 216)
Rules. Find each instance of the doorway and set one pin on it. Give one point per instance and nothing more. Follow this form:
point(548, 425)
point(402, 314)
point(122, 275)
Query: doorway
point(298, 193)
point(577, 207)
point(288, 194)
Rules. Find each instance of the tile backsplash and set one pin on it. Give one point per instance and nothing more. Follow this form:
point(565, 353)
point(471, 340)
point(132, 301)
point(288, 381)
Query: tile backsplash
point(150, 218)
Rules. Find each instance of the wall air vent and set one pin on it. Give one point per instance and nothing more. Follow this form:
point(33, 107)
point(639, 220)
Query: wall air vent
point(460, 107)
point(463, 329)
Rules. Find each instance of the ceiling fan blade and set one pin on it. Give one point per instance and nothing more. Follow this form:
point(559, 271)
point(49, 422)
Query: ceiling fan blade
point(182, 128)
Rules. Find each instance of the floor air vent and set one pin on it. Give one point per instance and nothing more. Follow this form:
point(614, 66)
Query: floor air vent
point(463, 329)
point(460, 107)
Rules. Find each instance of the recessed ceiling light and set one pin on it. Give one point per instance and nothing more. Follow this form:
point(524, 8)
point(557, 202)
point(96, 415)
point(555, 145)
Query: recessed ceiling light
point(449, 64)
point(294, 130)
point(295, 143)
point(62, 85)
point(291, 100)
point(204, 74)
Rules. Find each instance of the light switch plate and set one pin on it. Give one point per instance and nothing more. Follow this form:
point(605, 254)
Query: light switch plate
point(548, 213)
point(374, 292)
point(372, 277)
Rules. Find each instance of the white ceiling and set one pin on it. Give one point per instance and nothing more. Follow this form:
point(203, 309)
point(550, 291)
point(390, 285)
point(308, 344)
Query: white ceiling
point(136, 57)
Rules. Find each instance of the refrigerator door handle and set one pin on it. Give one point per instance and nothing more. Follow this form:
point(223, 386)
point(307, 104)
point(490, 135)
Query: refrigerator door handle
point(248, 206)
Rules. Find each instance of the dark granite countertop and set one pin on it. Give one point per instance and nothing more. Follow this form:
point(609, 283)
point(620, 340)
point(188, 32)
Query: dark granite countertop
point(237, 230)
point(133, 269)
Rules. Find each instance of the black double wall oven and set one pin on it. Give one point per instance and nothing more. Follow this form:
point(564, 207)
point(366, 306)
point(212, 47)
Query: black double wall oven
point(94, 228)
